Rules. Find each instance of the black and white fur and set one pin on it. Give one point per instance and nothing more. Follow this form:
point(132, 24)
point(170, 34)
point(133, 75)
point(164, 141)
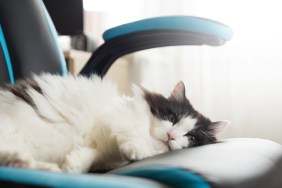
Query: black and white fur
point(75, 124)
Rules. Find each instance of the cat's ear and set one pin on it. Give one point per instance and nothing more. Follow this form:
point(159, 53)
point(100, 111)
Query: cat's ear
point(219, 126)
point(178, 92)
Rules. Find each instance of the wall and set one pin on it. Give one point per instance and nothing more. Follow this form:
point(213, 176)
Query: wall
point(239, 81)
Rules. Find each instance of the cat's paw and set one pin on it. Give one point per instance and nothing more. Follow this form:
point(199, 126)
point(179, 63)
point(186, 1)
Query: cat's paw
point(47, 166)
point(72, 164)
point(79, 160)
point(17, 163)
point(20, 161)
point(135, 151)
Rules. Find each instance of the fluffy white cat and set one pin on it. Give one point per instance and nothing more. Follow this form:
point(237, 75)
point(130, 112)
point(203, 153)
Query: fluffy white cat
point(76, 124)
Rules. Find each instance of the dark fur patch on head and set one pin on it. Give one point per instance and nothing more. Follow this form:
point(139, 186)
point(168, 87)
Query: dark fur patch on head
point(20, 88)
point(202, 132)
point(168, 108)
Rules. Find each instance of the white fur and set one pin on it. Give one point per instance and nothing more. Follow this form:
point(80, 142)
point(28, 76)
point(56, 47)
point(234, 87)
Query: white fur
point(82, 123)
point(163, 128)
point(179, 130)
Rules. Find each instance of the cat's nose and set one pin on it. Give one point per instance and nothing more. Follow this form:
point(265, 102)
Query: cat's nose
point(170, 137)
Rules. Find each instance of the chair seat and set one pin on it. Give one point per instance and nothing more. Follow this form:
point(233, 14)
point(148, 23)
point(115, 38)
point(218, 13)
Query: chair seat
point(232, 163)
point(16, 177)
point(240, 162)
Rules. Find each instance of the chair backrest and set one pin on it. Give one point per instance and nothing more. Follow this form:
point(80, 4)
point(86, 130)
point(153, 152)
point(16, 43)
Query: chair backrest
point(28, 41)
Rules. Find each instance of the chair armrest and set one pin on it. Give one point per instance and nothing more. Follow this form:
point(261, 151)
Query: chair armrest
point(152, 33)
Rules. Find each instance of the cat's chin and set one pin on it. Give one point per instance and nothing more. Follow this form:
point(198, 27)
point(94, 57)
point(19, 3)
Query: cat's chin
point(171, 146)
point(174, 145)
point(161, 146)
point(168, 145)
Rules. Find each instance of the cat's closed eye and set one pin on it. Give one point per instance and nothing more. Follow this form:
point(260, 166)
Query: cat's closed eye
point(172, 118)
point(193, 140)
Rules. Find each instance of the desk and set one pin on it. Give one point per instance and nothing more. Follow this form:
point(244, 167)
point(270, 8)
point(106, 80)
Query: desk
point(76, 60)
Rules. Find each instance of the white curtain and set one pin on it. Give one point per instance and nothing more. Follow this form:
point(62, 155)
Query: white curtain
point(240, 81)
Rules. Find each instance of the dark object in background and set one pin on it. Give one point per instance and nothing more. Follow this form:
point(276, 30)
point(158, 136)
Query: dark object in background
point(67, 16)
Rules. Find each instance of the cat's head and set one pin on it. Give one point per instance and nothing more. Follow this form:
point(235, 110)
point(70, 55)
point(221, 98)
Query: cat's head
point(175, 122)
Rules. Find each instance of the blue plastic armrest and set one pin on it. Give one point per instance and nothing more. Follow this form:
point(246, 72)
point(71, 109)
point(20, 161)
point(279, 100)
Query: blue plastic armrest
point(152, 33)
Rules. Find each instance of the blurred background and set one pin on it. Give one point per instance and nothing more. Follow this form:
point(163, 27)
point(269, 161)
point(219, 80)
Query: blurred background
point(240, 81)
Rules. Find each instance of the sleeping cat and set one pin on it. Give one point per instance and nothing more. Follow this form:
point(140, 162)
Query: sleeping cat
point(76, 124)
